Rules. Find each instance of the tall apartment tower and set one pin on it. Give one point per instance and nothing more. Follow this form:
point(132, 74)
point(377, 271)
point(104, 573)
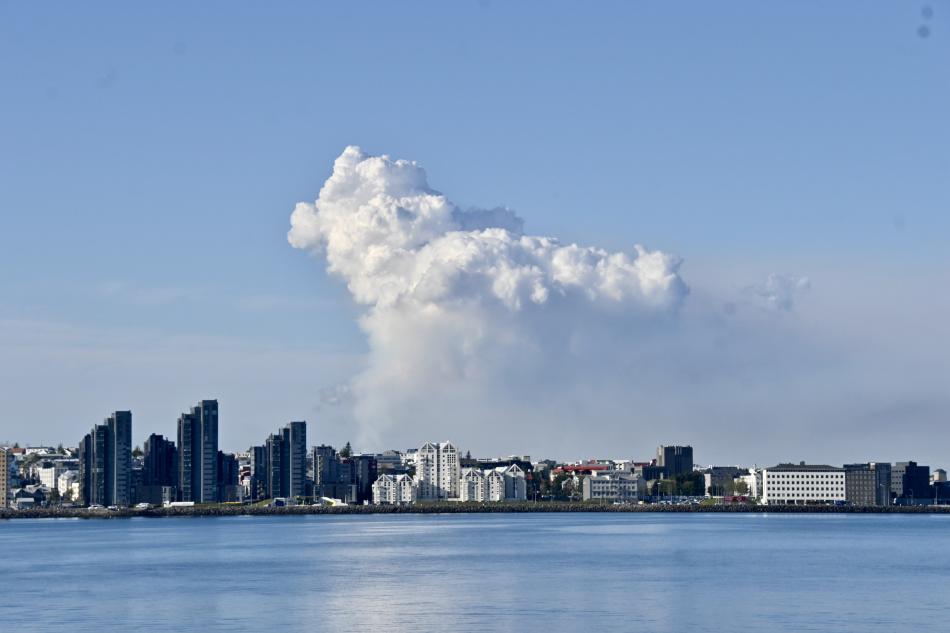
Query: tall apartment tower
point(198, 453)
point(279, 467)
point(5, 458)
point(293, 477)
point(273, 465)
point(105, 462)
point(159, 470)
point(675, 460)
point(437, 471)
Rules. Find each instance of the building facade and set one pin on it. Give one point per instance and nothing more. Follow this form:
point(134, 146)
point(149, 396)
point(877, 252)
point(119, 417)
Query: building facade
point(675, 460)
point(910, 481)
point(437, 471)
point(105, 462)
point(803, 484)
point(159, 471)
point(6, 458)
point(612, 486)
point(279, 467)
point(868, 484)
point(394, 490)
point(198, 453)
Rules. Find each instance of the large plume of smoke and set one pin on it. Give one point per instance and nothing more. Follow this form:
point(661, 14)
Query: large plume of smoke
point(469, 320)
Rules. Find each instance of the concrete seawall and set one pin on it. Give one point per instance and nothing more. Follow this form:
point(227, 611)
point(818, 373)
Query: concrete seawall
point(449, 508)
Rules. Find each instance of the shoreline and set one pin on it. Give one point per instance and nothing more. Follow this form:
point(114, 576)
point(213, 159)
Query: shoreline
point(451, 508)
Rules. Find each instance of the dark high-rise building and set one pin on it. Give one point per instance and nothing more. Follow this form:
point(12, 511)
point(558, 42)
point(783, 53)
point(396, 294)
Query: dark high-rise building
point(867, 484)
point(198, 453)
point(675, 460)
point(324, 465)
point(258, 487)
point(910, 481)
point(293, 477)
point(227, 477)
point(273, 466)
point(279, 467)
point(365, 472)
point(105, 462)
point(159, 470)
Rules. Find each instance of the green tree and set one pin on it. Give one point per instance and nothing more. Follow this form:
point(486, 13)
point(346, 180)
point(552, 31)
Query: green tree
point(346, 451)
point(137, 452)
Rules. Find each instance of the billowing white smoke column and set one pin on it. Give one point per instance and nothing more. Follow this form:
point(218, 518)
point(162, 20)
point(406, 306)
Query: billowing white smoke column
point(456, 298)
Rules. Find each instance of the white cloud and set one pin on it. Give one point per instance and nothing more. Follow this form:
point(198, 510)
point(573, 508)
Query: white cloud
point(461, 302)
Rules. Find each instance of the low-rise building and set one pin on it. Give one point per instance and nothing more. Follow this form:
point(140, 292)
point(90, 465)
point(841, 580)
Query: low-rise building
point(394, 490)
point(868, 484)
point(504, 483)
point(613, 486)
point(68, 485)
point(803, 484)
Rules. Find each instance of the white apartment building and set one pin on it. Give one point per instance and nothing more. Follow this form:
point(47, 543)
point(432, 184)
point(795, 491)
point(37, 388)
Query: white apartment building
point(64, 483)
point(394, 490)
point(753, 482)
point(49, 475)
point(802, 484)
point(504, 483)
point(437, 471)
point(472, 485)
point(612, 486)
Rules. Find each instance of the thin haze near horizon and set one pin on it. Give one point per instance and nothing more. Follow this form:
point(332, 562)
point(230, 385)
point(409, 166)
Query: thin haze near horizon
point(785, 171)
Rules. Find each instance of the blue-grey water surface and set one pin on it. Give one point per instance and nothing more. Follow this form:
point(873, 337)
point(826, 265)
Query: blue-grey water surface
point(487, 572)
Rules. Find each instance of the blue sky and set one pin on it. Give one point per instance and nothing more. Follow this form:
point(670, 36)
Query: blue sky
point(150, 158)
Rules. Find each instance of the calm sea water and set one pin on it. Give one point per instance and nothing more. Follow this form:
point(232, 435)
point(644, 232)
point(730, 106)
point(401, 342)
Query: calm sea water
point(512, 572)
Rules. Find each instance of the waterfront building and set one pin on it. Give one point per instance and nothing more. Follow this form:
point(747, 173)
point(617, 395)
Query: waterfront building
point(394, 490)
point(325, 466)
point(753, 482)
point(613, 486)
point(279, 467)
point(437, 471)
point(349, 479)
point(6, 460)
point(197, 468)
point(293, 476)
point(66, 485)
point(504, 483)
point(721, 480)
point(472, 485)
point(910, 481)
point(868, 484)
point(938, 476)
point(675, 460)
point(802, 484)
point(159, 471)
point(228, 478)
point(105, 462)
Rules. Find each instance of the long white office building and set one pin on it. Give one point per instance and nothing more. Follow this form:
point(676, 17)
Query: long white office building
point(802, 484)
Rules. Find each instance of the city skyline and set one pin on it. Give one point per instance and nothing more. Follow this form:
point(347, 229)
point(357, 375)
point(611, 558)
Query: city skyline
point(790, 204)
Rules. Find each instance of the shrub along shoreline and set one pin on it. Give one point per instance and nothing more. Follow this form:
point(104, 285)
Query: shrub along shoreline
point(225, 510)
